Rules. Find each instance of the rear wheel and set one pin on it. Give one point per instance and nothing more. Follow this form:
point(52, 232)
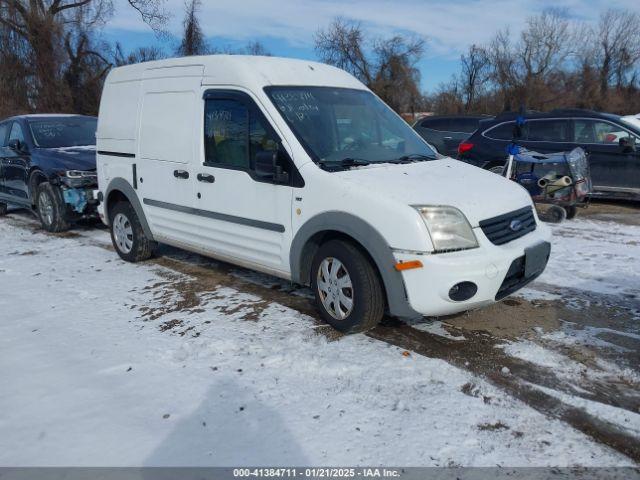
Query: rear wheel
point(3, 209)
point(51, 208)
point(572, 211)
point(347, 287)
point(127, 235)
point(555, 214)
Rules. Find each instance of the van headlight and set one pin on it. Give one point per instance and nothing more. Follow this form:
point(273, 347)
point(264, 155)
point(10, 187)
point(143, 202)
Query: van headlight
point(448, 227)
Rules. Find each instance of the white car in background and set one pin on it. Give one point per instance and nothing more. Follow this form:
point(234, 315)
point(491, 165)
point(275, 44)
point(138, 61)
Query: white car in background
point(297, 169)
point(633, 120)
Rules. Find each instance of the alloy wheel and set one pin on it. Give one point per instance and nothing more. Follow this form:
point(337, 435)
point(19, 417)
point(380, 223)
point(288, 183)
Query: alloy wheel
point(45, 206)
point(123, 233)
point(335, 288)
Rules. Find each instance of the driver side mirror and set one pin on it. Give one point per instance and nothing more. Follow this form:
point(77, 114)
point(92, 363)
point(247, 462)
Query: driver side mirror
point(267, 166)
point(627, 144)
point(15, 145)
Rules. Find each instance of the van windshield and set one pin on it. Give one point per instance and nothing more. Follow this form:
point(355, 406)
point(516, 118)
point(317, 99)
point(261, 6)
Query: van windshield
point(60, 132)
point(347, 127)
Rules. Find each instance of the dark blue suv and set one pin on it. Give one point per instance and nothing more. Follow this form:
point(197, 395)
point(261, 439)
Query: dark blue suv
point(611, 142)
point(48, 164)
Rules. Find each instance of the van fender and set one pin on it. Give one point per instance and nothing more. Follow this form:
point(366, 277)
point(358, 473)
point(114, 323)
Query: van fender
point(123, 186)
point(303, 249)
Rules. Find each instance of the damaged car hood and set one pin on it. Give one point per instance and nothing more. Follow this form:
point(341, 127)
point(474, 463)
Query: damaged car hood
point(478, 193)
point(69, 158)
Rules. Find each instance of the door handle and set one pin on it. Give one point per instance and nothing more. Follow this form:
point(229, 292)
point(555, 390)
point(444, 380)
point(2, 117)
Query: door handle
point(448, 138)
point(181, 174)
point(203, 177)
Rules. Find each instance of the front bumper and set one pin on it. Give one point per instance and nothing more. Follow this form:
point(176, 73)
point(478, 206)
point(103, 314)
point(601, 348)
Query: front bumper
point(498, 271)
point(79, 202)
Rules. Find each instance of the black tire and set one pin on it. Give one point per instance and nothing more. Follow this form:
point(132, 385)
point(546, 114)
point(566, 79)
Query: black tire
point(141, 248)
point(366, 292)
point(497, 169)
point(3, 209)
point(555, 214)
point(51, 209)
point(572, 211)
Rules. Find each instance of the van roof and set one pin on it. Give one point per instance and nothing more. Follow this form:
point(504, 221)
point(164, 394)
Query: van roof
point(36, 116)
point(240, 70)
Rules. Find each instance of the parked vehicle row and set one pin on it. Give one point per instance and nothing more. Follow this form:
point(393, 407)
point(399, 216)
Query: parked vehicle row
point(296, 169)
point(612, 144)
point(47, 164)
point(446, 132)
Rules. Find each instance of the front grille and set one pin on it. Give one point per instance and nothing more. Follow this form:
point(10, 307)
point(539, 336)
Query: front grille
point(499, 229)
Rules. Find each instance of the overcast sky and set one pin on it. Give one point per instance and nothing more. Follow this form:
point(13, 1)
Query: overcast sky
point(286, 27)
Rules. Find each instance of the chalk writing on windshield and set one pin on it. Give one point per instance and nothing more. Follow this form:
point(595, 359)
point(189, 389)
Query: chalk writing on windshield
point(299, 103)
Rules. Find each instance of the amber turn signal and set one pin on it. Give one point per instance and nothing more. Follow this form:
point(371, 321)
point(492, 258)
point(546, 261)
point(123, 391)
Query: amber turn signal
point(400, 266)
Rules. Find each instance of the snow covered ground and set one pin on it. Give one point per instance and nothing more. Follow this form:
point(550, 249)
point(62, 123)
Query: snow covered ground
point(595, 256)
point(104, 363)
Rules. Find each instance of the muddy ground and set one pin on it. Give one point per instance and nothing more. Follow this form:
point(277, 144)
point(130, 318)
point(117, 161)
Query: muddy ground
point(605, 330)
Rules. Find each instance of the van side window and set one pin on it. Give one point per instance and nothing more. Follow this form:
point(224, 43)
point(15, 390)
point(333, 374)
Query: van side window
point(234, 134)
point(259, 138)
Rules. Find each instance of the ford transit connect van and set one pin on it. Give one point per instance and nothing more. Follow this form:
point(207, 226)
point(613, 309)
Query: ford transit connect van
point(296, 169)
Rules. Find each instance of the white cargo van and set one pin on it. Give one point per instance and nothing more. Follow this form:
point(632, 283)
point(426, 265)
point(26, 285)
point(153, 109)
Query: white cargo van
point(296, 169)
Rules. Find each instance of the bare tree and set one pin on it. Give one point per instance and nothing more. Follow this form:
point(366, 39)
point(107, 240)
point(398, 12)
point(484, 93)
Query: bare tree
point(342, 45)
point(476, 71)
point(522, 69)
point(152, 13)
point(618, 48)
point(397, 79)
point(139, 55)
point(193, 41)
point(448, 98)
point(256, 48)
point(390, 70)
point(552, 63)
point(14, 74)
point(56, 34)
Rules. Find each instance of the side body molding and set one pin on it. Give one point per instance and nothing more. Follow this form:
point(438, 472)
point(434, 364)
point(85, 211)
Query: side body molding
point(122, 185)
point(309, 236)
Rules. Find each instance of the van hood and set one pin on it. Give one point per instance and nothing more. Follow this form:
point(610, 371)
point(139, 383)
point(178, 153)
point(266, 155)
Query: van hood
point(69, 158)
point(477, 193)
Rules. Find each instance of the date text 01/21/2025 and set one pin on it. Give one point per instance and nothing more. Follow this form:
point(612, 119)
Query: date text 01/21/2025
point(317, 472)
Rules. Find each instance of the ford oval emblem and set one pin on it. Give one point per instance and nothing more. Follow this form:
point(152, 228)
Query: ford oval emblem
point(515, 225)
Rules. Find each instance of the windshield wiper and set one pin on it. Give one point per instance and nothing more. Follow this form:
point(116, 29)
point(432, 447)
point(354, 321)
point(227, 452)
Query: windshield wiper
point(344, 163)
point(414, 157)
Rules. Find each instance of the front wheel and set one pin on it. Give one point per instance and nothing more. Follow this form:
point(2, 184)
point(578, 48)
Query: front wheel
point(3, 209)
point(347, 287)
point(51, 208)
point(127, 234)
